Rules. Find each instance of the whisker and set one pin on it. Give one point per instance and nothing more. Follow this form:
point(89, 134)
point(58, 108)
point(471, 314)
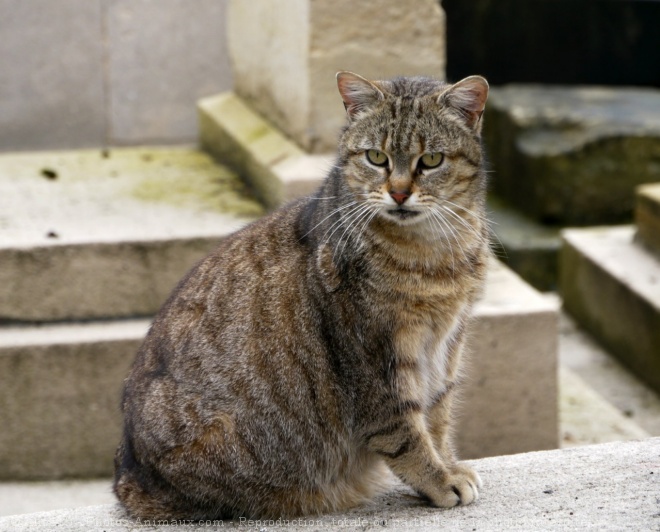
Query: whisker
point(340, 208)
point(351, 224)
point(346, 217)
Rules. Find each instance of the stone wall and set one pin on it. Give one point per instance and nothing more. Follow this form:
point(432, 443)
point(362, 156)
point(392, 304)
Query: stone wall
point(81, 73)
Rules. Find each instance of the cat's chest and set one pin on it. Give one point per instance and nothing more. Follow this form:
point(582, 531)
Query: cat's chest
point(425, 356)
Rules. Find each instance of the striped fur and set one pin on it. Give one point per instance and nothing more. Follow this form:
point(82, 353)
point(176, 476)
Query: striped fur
point(318, 350)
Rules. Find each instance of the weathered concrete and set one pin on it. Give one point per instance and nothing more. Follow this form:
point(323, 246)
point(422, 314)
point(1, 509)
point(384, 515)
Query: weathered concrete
point(285, 56)
point(86, 73)
point(526, 246)
point(573, 155)
point(586, 417)
point(161, 58)
point(582, 356)
point(51, 60)
point(60, 386)
point(647, 216)
point(609, 487)
point(28, 497)
point(60, 391)
point(276, 169)
point(612, 287)
point(509, 402)
point(92, 234)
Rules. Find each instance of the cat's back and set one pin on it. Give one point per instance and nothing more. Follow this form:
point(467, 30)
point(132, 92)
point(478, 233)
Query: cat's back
point(244, 291)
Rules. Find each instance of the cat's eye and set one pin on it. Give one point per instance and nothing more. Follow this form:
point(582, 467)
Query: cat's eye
point(377, 157)
point(430, 160)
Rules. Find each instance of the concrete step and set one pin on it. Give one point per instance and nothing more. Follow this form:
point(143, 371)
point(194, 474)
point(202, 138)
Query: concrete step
point(608, 380)
point(60, 386)
point(611, 286)
point(107, 233)
point(60, 391)
point(607, 487)
point(528, 247)
point(573, 155)
point(647, 216)
point(631, 411)
point(29, 497)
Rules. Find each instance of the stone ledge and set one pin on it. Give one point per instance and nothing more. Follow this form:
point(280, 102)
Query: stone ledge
point(647, 216)
point(572, 155)
point(608, 487)
point(60, 386)
point(276, 168)
point(611, 285)
point(93, 234)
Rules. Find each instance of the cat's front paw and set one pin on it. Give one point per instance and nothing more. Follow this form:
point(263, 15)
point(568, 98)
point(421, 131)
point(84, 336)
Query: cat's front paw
point(460, 487)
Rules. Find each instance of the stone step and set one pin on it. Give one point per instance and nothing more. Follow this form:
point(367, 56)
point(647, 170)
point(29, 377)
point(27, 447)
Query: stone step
point(60, 386)
point(647, 216)
point(107, 233)
point(529, 248)
point(586, 417)
point(605, 487)
point(60, 391)
point(276, 168)
point(29, 497)
point(611, 286)
point(572, 155)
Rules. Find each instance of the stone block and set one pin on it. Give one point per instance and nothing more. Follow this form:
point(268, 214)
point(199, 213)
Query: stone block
point(607, 487)
point(647, 216)
point(52, 89)
point(285, 56)
point(611, 285)
point(60, 386)
point(98, 234)
point(509, 402)
point(60, 391)
point(276, 169)
point(162, 57)
point(529, 248)
point(573, 156)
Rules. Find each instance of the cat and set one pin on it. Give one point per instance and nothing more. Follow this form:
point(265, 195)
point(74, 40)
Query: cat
point(317, 350)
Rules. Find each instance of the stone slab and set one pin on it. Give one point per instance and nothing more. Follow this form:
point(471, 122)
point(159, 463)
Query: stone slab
point(510, 400)
point(573, 155)
point(285, 56)
point(96, 234)
point(529, 248)
point(60, 386)
point(580, 354)
point(608, 487)
point(60, 391)
point(52, 90)
point(276, 168)
point(588, 418)
point(647, 216)
point(162, 57)
point(611, 285)
point(29, 497)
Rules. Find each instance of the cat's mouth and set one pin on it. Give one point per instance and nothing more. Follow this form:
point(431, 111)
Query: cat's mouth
point(402, 214)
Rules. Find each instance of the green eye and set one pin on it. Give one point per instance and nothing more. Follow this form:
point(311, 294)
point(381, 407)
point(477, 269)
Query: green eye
point(377, 157)
point(430, 160)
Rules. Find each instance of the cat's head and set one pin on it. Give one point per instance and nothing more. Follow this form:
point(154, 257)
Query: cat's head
point(411, 148)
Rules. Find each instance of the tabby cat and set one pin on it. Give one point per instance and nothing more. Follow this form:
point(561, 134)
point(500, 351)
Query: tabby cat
point(317, 350)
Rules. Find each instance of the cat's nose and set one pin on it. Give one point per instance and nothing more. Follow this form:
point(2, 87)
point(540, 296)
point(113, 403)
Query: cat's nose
point(399, 197)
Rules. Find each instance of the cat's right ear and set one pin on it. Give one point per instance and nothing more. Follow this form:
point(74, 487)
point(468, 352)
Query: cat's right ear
point(469, 97)
point(358, 93)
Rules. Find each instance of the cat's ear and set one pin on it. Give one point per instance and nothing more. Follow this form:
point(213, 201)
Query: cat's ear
point(358, 93)
point(469, 97)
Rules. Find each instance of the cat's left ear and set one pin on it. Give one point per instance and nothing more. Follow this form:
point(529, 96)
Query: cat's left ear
point(358, 93)
point(469, 97)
